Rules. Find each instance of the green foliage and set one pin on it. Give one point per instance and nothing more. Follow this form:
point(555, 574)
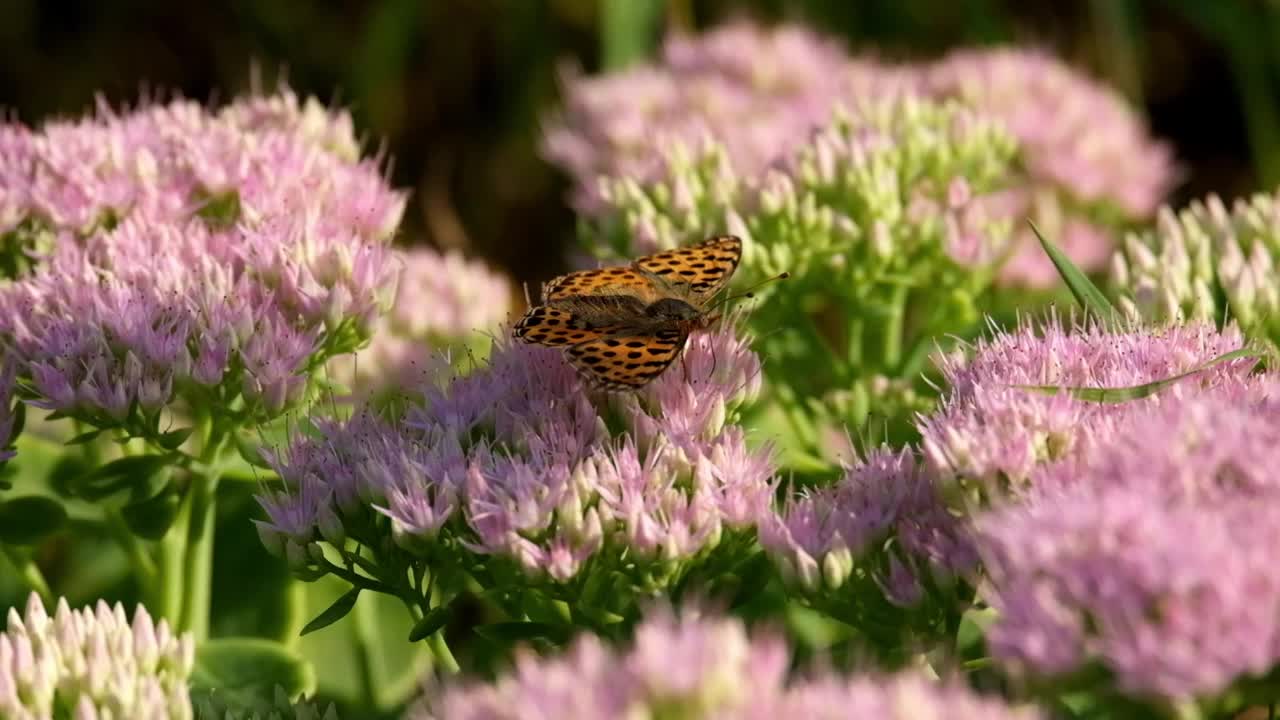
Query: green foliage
point(251, 666)
point(29, 519)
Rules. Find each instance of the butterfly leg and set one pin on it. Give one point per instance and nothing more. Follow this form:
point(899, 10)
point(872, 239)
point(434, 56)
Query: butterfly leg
point(714, 359)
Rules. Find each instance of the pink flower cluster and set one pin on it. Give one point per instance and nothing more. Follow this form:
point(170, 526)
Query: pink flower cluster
point(694, 665)
point(444, 305)
point(1152, 555)
point(207, 255)
point(1138, 534)
point(820, 537)
point(992, 430)
point(757, 92)
point(1087, 153)
point(517, 455)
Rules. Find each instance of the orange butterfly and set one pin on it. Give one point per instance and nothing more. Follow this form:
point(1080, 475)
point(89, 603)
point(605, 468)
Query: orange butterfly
point(624, 325)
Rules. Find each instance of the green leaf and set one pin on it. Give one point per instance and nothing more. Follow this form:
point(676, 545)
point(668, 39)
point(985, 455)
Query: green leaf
point(173, 439)
point(431, 622)
point(334, 612)
point(1085, 292)
point(1124, 394)
point(252, 666)
point(64, 473)
point(509, 632)
point(152, 517)
point(84, 437)
point(971, 633)
point(28, 519)
point(132, 466)
point(19, 421)
point(132, 471)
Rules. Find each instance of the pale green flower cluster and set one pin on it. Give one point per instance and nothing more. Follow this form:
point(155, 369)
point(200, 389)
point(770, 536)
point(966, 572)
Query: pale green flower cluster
point(1205, 263)
point(92, 663)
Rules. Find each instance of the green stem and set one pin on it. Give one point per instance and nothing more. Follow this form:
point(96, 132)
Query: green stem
point(853, 348)
point(895, 313)
point(30, 574)
point(198, 570)
point(295, 613)
point(1112, 26)
point(170, 556)
point(443, 656)
point(365, 629)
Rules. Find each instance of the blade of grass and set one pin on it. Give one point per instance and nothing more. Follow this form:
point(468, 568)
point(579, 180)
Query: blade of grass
point(1085, 292)
point(1123, 394)
point(628, 30)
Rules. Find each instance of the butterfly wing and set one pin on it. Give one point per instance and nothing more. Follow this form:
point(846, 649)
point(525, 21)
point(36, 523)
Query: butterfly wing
point(554, 327)
point(627, 362)
point(604, 281)
point(698, 271)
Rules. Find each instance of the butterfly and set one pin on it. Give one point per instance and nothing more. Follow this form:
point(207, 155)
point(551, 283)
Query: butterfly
point(623, 326)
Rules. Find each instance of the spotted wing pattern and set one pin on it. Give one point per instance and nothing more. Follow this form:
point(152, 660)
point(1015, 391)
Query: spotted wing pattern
point(544, 325)
point(598, 315)
point(604, 281)
point(699, 271)
point(627, 362)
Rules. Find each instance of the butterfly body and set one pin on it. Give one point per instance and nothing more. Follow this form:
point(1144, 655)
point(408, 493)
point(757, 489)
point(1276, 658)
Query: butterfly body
point(624, 325)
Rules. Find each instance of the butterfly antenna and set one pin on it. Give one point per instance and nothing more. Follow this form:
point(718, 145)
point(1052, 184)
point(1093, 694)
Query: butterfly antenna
point(750, 292)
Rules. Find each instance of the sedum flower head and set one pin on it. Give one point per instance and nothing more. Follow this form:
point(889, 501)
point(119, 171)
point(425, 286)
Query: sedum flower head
point(884, 180)
point(513, 460)
point(758, 91)
point(906, 695)
point(820, 537)
point(1092, 166)
point(92, 663)
point(693, 665)
point(443, 302)
point(1148, 556)
point(1177, 601)
point(1201, 446)
point(1203, 263)
point(192, 251)
point(990, 431)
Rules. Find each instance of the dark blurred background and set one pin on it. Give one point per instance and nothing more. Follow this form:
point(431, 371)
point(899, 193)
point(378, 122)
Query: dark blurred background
point(456, 88)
